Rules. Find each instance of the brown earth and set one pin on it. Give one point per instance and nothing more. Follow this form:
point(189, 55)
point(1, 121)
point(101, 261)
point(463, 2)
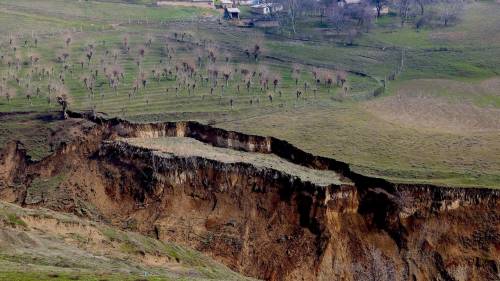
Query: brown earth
point(260, 221)
point(45, 241)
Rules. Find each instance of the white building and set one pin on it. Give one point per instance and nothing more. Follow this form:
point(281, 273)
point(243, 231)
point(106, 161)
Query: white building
point(232, 13)
point(261, 9)
point(343, 3)
point(170, 2)
point(266, 9)
point(247, 2)
point(226, 3)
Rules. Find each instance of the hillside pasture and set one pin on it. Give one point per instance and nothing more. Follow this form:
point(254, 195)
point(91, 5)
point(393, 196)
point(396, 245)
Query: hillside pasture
point(435, 122)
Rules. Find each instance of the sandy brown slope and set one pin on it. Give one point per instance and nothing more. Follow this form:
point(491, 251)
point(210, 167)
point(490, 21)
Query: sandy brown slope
point(265, 222)
point(48, 243)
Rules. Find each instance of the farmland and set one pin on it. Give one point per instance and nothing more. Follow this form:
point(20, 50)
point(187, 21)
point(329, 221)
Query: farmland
point(321, 141)
point(413, 132)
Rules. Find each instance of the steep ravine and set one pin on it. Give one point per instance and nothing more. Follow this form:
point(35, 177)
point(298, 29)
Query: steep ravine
point(260, 221)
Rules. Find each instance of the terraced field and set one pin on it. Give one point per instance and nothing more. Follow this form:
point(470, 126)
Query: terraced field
point(446, 82)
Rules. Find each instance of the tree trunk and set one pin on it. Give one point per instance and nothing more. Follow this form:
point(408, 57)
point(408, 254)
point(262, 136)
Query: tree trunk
point(65, 112)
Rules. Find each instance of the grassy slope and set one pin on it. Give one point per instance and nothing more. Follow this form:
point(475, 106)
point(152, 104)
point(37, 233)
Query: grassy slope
point(468, 52)
point(396, 151)
point(46, 245)
point(380, 148)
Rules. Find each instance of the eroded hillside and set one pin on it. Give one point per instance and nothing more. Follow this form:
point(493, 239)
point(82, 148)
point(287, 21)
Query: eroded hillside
point(268, 217)
point(40, 244)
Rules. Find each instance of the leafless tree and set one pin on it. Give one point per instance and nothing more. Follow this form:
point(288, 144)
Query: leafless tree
point(341, 78)
point(380, 4)
point(63, 99)
point(404, 10)
point(257, 50)
point(296, 69)
point(67, 40)
point(226, 73)
point(450, 10)
point(149, 40)
point(361, 14)
point(8, 93)
point(29, 96)
point(276, 79)
point(337, 17)
point(351, 35)
point(125, 44)
point(422, 4)
point(293, 10)
point(328, 78)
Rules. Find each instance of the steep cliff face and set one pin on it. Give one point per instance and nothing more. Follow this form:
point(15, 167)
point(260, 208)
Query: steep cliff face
point(264, 222)
point(13, 162)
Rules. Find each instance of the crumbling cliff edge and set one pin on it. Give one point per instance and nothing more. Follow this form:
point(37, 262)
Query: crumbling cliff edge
point(264, 223)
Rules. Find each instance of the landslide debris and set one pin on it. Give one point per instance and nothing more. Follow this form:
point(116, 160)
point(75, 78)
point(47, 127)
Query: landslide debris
point(254, 203)
point(48, 244)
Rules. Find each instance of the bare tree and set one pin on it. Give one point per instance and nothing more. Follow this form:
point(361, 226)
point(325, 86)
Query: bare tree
point(337, 17)
point(292, 8)
point(149, 40)
point(422, 3)
point(404, 10)
point(63, 99)
point(296, 69)
point(67, 40)
point(341, 78)
point(142, 53)
point(34, 58)
point(257, 49)
point(380, 4)
point(351, 35)
point(8, 93)
point(226, 73)
point(450, 10)
point(328, 78)
point(29, 96)
point(89, 53)
point(63, 56)
point(276, 79)
point(125, 44)
point(361, 14)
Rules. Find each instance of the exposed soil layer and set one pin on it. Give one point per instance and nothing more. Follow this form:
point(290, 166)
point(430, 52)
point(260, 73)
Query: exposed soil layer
point(260, 221)
point(188, 147)
point(49, 244)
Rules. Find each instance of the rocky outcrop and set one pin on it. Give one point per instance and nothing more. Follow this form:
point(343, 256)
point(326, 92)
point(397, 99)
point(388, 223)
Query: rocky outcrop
point(264, 222)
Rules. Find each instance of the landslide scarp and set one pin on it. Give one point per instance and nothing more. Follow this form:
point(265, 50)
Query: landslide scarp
point(262, 206)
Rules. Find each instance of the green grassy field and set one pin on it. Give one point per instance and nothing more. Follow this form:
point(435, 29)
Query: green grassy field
point(454, 65)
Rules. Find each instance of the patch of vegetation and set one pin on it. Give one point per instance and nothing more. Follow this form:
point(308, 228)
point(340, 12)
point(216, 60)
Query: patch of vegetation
point(113, 235)
point(56, 256)
point(380, 50)
point(129, 248)
point(14, 220)
point(38, 276)
point(41, 187)
point(31, 131)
